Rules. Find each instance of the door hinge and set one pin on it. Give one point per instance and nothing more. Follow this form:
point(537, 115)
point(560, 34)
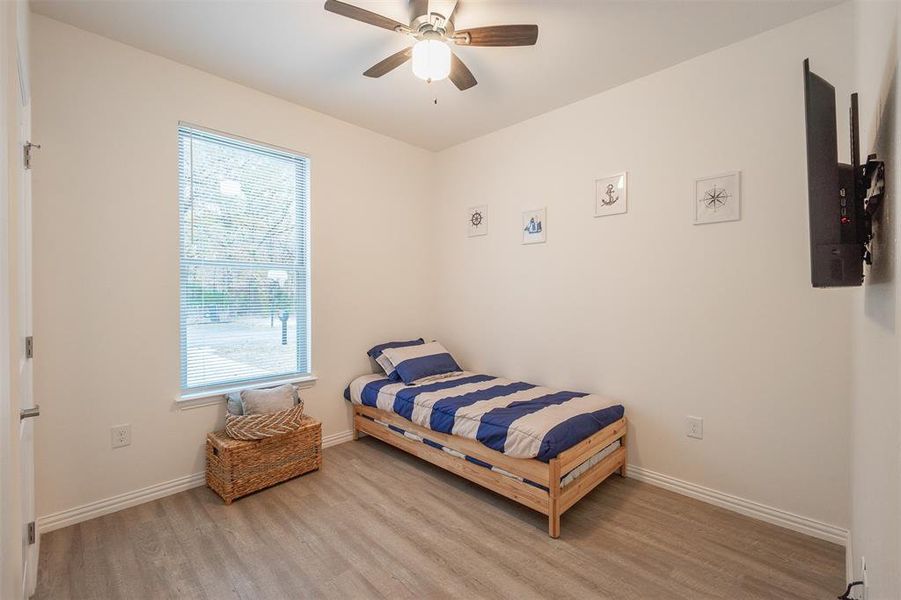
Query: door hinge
point(32, 534)
point(28, 151)
point(29, 347)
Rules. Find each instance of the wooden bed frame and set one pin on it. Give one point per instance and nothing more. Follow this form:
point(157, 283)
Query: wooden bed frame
point(553, 502)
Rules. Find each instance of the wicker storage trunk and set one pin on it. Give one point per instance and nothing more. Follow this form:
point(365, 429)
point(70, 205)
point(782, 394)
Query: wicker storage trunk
point(235, 468)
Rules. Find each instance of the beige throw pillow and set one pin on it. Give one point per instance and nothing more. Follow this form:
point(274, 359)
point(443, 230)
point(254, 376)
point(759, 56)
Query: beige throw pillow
point(264, 402)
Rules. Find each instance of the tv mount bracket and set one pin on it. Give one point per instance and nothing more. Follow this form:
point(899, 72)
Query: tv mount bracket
point(872, 179)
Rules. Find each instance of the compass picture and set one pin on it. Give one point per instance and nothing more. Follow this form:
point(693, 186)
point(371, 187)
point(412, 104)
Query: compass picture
point(611, 195)
point(717, 199)
point(477, 220)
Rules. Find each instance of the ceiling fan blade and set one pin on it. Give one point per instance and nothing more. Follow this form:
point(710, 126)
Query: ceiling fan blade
point(418, 8)
point(445, 8)
point(361, 14)
point(450, 7)
point(460, 74)
point(498, 35)
point(390, 63)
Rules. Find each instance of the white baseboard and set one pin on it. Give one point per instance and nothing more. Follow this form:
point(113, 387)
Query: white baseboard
point(749, 508)
point(98, 508)
point(337, 438)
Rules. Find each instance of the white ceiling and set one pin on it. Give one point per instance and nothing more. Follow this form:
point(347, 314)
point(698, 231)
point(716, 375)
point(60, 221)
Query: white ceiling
point(298, 51)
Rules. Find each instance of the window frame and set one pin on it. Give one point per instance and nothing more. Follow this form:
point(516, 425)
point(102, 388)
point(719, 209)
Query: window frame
point(194, 396)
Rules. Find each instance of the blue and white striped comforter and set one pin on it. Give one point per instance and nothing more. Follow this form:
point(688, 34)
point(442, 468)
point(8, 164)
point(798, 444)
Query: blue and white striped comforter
point(519, 419)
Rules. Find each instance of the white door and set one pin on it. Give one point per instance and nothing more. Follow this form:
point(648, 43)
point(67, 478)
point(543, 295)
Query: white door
point(23, 305)
point(18, 554)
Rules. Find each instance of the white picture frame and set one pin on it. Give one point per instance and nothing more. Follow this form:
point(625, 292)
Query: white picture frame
point(611, 195)
point(534, 226)
point(477, 220)
point(717, 198)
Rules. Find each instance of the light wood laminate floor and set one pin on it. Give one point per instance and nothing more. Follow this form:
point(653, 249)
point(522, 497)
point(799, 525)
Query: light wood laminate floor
point(375, 522)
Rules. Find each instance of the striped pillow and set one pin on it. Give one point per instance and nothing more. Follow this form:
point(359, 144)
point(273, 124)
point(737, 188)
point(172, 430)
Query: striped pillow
point(425, 360)
point(376, 353)
point(387, 367)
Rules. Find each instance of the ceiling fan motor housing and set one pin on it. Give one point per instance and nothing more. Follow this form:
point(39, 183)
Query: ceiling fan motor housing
point(432, 26)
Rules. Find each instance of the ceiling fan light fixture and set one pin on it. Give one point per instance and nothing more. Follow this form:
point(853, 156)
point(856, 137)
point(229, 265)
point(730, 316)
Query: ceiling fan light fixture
point(434, 31)
point(431, 60)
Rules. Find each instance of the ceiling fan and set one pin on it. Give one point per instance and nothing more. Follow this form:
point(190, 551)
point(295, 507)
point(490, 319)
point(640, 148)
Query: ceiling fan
point(433, 28)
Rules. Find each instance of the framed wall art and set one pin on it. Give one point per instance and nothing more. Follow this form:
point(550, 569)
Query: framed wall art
point(534, 226)
point(717, 198)
point(477, 218)
point(611, 195)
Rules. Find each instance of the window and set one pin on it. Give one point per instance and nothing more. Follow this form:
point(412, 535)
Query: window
point(243, 212)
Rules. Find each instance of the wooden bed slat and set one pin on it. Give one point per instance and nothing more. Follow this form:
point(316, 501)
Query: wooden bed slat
point(533, 497)
point(527, 468)
point(590, 478)
point(575, 456)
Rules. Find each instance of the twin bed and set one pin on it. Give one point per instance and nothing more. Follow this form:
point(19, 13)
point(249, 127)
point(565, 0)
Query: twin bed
point(541, 447)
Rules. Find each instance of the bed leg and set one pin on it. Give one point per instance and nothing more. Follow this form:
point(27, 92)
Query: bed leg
point(622, 469)
point(553, 516)
point(353, 423)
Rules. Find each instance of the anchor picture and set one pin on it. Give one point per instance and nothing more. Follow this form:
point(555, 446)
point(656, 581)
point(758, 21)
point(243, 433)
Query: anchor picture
point(611, 195)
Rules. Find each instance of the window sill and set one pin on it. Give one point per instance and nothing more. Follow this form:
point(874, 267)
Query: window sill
point(215, 397)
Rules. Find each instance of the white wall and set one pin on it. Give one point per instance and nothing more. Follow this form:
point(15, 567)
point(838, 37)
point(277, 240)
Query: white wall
point(876, 403)
point(106, 255)
point(718, 321)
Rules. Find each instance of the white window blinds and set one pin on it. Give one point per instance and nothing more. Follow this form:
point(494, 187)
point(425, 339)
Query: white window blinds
point(243, 211)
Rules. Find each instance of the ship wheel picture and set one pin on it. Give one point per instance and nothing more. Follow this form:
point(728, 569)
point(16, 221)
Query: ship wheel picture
point(478, 220)
point(718, 198)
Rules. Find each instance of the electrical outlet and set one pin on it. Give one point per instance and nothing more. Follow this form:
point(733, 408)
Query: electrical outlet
point(694, 427)
point(120, 435)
